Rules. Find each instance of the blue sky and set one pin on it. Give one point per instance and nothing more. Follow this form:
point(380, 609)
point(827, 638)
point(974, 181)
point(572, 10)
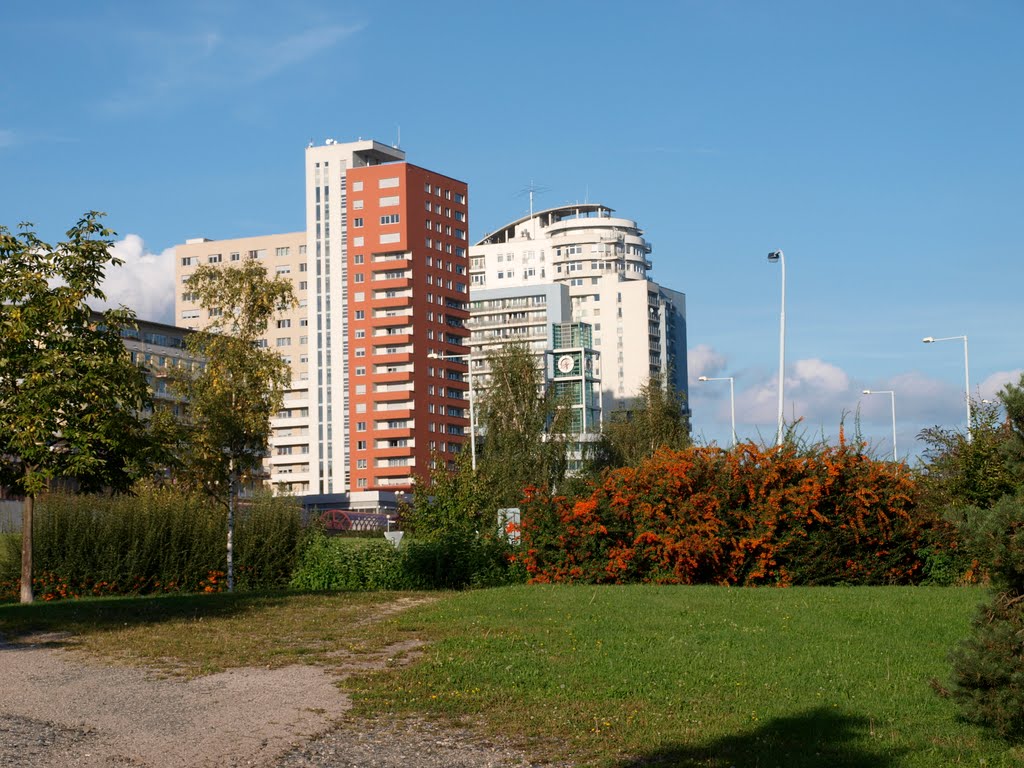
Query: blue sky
point(877, 143)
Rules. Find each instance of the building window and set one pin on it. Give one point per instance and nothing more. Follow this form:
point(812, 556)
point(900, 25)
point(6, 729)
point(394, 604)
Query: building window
point(357, 186)
point(391, 218)
point(283, 270)
point(361, 445)
point(282, 251)
point(357, 259)
point(214, 258)
point(284, 323)
point(360, 314)
point(360, 463)
point(357, 205)
point(357, 222)
point(387, 183)
point(360, 426)
point(284, 341)
point(360, 371)
point(359, 277)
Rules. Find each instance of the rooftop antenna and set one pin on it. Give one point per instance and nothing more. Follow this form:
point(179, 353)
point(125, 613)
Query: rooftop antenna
point(531, 190)
point(398, 141)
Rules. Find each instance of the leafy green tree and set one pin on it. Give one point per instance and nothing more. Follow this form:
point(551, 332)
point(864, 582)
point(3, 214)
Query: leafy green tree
point(241, 384)
point(1012, 398)
point(70, 397)
point(656, 419)
point(961, 472)
point(524, 428)
point(456, 539)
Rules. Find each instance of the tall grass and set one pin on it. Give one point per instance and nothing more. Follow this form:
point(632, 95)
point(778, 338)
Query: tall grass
point(156, 540)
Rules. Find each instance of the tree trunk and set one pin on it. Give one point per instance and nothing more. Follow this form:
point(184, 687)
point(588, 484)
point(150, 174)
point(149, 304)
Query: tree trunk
point(26, 548)
point(231, 532)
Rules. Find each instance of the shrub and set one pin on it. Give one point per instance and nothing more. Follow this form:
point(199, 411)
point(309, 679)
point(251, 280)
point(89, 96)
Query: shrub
point(782, 515)
point(988, 666)
point(988, 669)
point(336, 563)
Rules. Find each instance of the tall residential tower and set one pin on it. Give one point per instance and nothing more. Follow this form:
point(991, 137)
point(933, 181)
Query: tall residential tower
point(381, 272)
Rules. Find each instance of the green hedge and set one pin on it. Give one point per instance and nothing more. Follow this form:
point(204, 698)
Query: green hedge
point(336, 563)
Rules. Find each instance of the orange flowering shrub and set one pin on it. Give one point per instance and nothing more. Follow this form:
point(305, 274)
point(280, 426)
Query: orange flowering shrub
point(748, 515)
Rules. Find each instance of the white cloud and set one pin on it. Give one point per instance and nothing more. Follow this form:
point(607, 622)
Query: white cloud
point(990, 387)
point(704, 360)
point(817, 376)
point(143, 283)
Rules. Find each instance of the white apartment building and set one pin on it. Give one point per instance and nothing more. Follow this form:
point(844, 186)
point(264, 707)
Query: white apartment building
point(639, 328)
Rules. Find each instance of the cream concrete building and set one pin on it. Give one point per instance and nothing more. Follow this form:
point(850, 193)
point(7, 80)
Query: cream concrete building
point(288, 334)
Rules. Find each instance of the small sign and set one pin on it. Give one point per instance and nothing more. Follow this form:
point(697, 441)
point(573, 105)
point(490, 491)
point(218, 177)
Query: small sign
point(508, 521)
point(395, 537)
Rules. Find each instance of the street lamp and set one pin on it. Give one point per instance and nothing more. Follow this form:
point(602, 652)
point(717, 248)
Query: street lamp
point(472, 417)
point(732, 400)
point(776, 256)
point(892, 396)
point(967, 374)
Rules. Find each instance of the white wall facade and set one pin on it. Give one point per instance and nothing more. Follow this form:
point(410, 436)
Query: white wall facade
point(639, 328)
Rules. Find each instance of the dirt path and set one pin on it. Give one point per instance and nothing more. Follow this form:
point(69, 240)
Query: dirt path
point(129, 716)
point(60, 708)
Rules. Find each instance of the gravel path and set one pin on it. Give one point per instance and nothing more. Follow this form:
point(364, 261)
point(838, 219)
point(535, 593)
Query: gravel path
point(59, 708)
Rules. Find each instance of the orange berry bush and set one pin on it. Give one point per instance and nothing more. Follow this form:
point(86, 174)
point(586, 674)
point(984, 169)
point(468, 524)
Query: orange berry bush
point(750, 515)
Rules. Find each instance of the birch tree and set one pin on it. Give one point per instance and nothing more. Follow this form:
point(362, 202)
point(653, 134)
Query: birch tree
point(239, 386)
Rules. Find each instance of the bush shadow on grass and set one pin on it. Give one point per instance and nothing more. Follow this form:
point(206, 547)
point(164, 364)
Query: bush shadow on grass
point(55, 623)
point(814, 738)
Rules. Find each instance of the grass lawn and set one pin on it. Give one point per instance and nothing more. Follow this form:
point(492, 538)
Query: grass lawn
point(609, 676)
point(193, 635)
point(700, 676)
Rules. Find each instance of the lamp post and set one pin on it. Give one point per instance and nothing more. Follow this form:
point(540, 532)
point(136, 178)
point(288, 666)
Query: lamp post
point(732, 400)
point(776, 256)
point(967, 374)
point(472, 417)
point(892, 396)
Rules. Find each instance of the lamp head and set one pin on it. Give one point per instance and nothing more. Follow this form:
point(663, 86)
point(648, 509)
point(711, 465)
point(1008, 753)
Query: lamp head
point(928, 339)
point(774, 256)
point(702, 378)
point(867, 391)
